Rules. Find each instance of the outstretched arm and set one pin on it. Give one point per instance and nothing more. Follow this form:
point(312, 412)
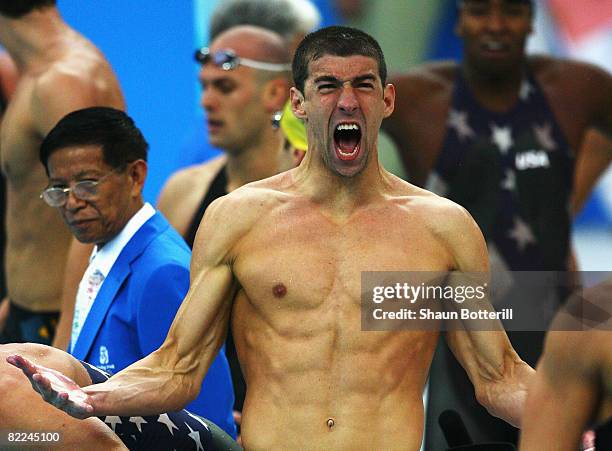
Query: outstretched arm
point(170, 377)
point(499, 376)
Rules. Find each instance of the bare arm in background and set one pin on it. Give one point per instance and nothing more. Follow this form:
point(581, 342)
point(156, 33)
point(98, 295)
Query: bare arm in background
point(78, 259)
point(593, 160)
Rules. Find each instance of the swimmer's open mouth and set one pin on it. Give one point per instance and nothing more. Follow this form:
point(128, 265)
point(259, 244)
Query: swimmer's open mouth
point(347, 140)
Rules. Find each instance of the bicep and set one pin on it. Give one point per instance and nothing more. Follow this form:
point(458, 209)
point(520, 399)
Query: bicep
point(200, 326)
point(482, 349)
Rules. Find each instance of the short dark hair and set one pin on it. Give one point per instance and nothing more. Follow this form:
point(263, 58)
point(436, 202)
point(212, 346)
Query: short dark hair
point(17, 8)
point(336, 41)
point(113, 130)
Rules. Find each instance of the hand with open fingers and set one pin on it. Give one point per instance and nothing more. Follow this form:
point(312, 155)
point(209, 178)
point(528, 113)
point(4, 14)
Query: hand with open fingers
point(55, 388)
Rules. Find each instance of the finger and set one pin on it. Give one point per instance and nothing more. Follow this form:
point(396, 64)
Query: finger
point(43, 385)
point(80, 410)
point(23, 364)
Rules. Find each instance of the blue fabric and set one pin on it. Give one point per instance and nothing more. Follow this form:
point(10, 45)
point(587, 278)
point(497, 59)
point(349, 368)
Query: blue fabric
point(524, 169)
point(171, 430)
point(134, 309)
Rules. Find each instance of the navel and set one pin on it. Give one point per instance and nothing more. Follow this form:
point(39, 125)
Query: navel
point(330, 423)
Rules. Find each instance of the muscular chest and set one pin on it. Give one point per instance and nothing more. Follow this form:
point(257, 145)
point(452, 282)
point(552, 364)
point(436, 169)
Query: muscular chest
point(310, 263)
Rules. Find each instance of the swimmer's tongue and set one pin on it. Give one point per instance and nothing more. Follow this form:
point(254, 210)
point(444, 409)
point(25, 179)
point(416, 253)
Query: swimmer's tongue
point(347, 140)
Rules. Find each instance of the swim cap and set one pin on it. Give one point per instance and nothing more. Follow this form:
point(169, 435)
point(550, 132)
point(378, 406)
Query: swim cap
point(293, 128)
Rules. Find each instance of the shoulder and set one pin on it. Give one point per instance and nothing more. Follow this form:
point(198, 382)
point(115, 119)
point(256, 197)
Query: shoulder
point(451, 224)
point(245, 204)
point(77, 76)
point(229, 218)
point(425, 79)
point(187, 178)
point(439, 211)
point(182, 194)
point(72, 77)
point(545, 65)
point(584, 80)
point(421, 94)
point(60, 90)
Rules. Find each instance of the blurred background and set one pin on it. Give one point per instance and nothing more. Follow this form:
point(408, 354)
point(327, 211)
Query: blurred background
point(150, 45)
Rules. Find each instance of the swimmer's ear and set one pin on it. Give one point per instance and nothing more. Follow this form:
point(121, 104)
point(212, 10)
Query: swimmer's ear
point(275, 94)
point(297, 103)
point(389, 99)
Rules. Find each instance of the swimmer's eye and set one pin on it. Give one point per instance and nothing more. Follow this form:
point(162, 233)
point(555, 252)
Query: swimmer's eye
point(365, 85)
point(325, 88)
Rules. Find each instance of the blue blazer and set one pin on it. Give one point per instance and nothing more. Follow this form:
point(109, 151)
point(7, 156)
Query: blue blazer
point(135, 306)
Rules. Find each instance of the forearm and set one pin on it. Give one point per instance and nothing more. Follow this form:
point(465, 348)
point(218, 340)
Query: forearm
point(147, 387)
point(63, 330)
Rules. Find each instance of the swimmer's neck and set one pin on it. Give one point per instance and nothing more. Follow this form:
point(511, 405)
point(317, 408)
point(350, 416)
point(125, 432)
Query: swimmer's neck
point(339, 193)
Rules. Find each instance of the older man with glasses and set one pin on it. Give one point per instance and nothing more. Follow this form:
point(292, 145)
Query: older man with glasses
point(139, 270)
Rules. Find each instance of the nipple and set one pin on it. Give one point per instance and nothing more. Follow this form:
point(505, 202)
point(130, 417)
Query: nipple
point(279, 290)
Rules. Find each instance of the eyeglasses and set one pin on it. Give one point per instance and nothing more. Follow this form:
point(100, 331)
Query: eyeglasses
point(57, 196)
point(228, 60)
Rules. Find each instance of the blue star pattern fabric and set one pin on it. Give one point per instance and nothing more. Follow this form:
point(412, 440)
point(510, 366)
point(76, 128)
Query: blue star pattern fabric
point(181, 431)
point(513, 172)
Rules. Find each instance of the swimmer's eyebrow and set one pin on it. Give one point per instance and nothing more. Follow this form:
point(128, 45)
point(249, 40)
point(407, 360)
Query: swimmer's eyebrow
point(362, 78)
point(327, 79)
point(334, 80)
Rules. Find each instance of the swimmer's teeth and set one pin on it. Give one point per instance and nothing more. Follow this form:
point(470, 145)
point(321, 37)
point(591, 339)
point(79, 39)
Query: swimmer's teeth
point(348, 153)
point(347, 127)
